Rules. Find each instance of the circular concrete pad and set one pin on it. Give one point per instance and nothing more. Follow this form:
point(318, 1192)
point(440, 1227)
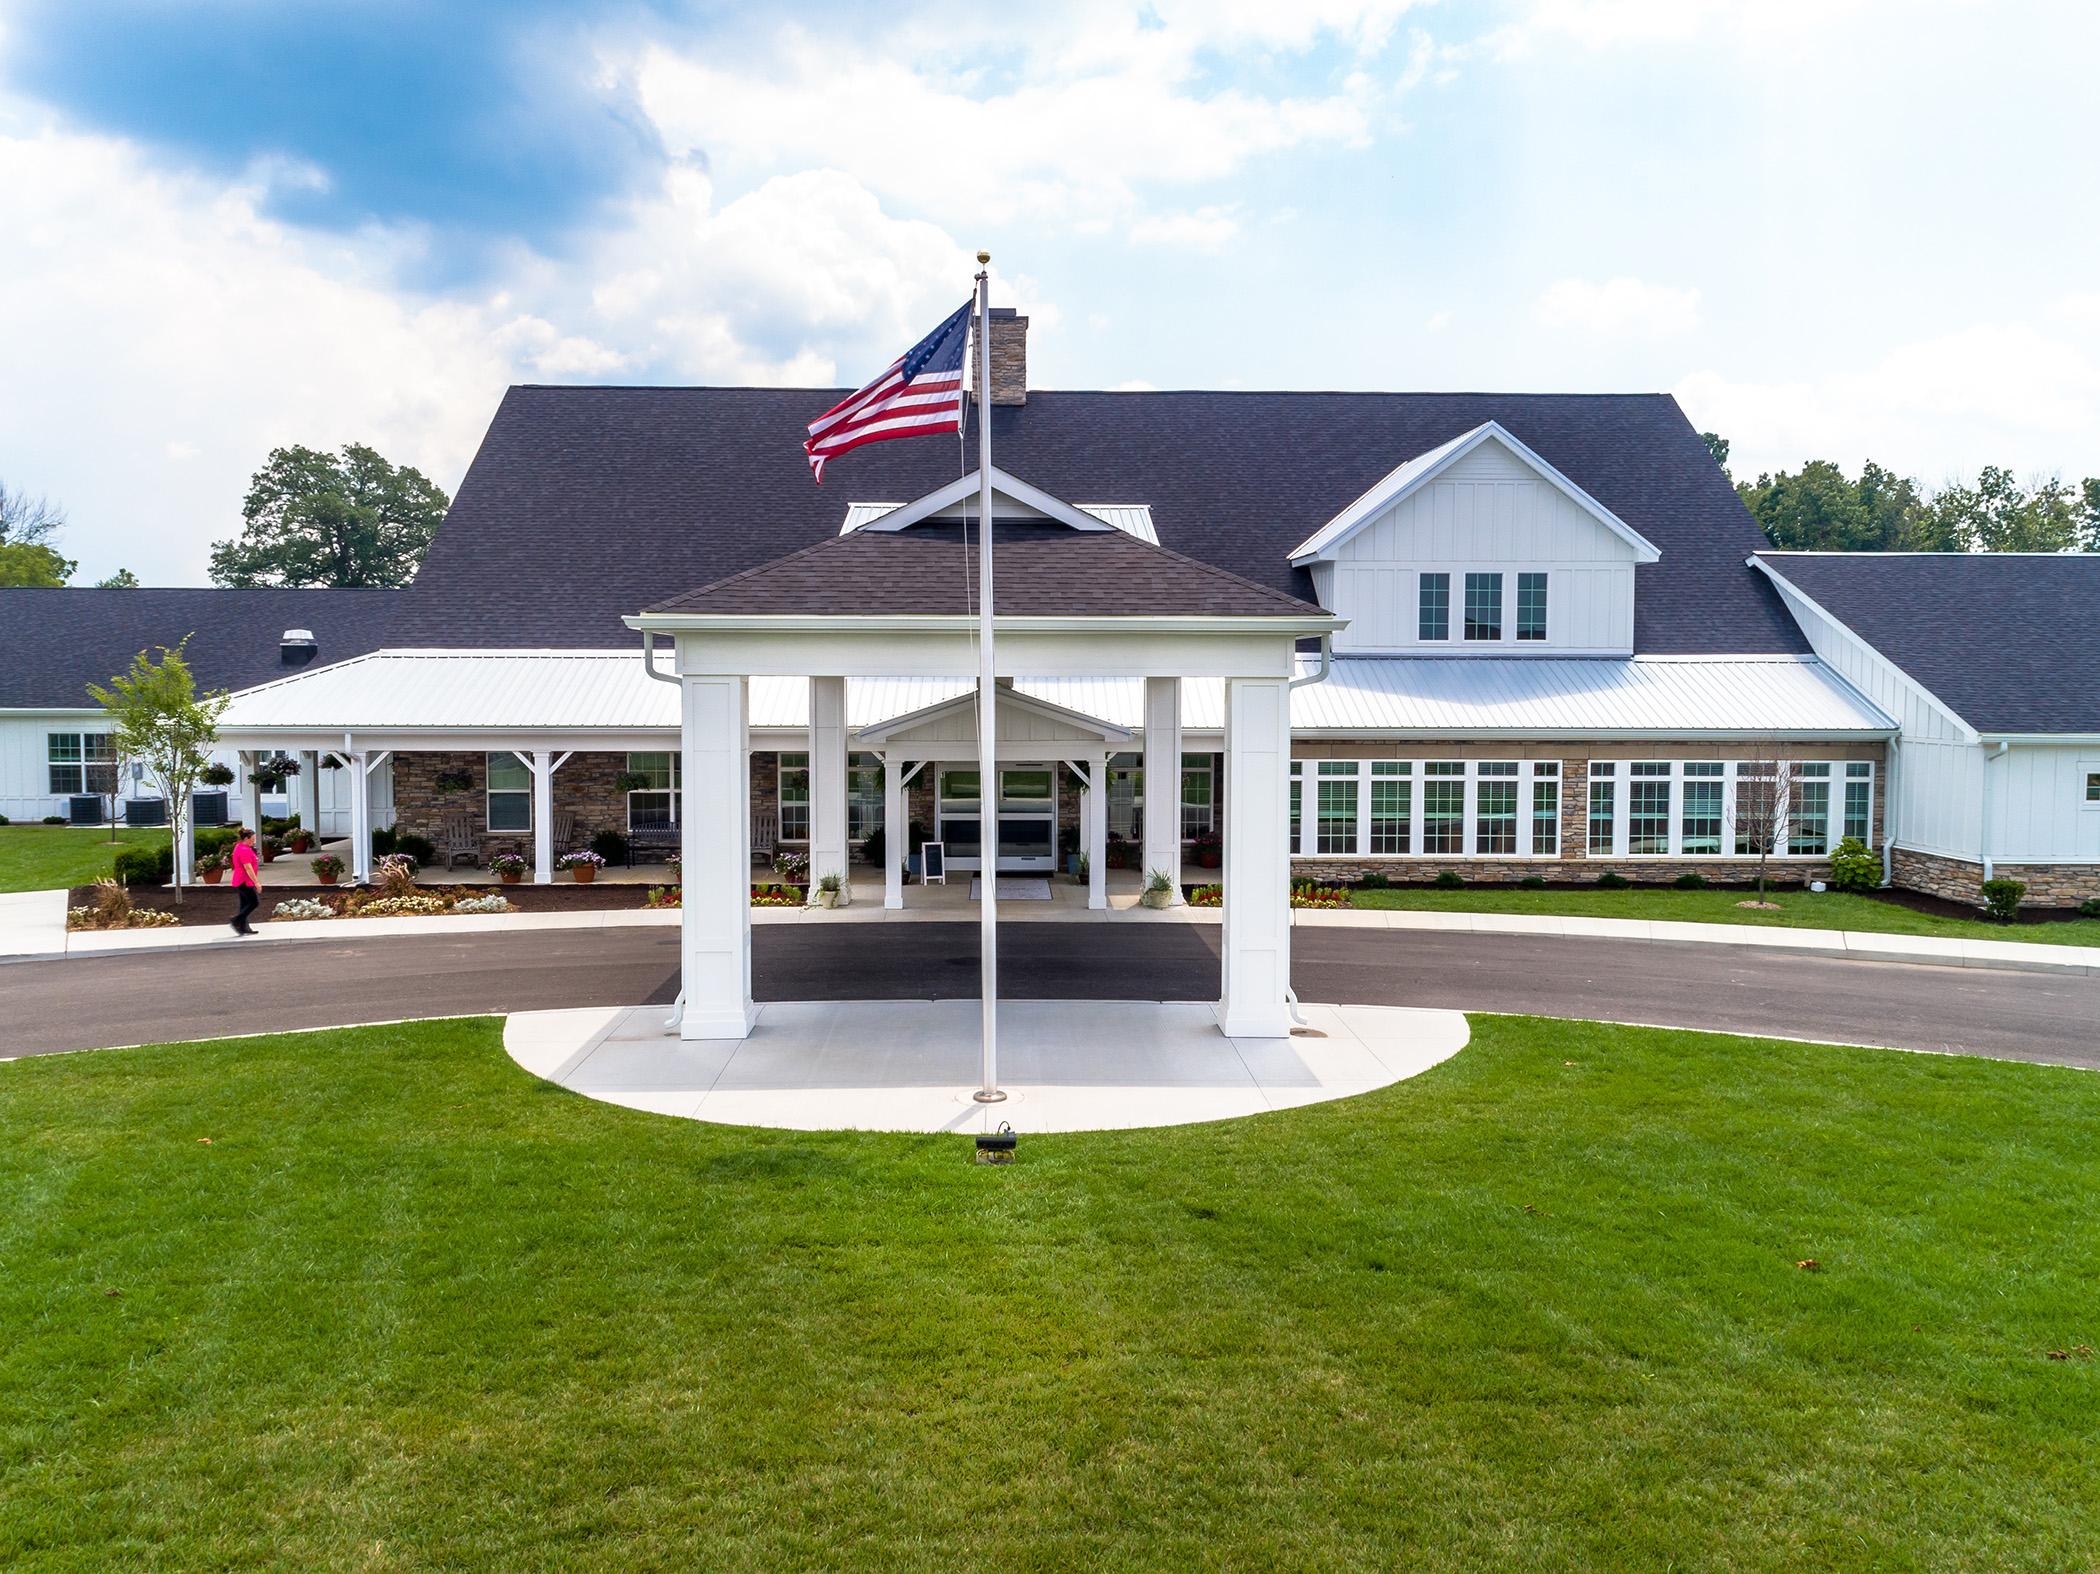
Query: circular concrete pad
point(909, 1065)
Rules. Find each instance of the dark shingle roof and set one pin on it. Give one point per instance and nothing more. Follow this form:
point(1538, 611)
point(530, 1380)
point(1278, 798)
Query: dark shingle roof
point(53, 643)
point(1041, 571)
point(2009, 640)
point(587, 503)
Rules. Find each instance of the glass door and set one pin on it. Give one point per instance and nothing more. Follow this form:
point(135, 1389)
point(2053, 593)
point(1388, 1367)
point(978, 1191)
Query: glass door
point(1028, 819)
point(961, 817)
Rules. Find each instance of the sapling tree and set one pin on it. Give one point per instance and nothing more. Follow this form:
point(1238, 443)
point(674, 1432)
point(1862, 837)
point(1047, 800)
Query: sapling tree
point(1762, 781)
point(158, 719)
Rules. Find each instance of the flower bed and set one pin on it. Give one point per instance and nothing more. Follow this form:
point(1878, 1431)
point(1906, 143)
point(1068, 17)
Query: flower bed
point(1310, 895)
point(137, 918)
point(482, 904)
point(665, 896)
point(1207, 896)
point(401, 907)
point(300, 909)
point(775, 896)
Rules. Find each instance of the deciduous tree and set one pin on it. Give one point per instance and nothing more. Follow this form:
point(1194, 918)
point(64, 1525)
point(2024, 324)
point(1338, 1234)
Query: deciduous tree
point(158, 719)
point(28, 525)
point(318, 519)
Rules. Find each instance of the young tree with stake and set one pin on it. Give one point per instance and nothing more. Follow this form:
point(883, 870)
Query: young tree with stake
point(1762, 782)
point(158, 719)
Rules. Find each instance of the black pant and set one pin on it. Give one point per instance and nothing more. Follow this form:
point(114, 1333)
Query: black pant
point(250, 900)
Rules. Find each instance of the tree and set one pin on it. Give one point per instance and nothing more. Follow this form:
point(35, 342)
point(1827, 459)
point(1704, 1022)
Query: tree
point(1717, 445)
point(1820, 510)
point(322, 519)
point(27, 528)
point(1762, 779)
point(1997, 515)
point(122, 579)
point(158, 719)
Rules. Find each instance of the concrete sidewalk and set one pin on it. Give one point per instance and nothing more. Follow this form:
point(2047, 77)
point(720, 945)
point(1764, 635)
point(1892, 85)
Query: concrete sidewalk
point(32, 925)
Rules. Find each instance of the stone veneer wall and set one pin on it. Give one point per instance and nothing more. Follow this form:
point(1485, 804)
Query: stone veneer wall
point(583, 785)
point(1961, 879)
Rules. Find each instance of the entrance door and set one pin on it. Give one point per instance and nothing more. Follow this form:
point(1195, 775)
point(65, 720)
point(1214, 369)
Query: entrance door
point(1027, 818)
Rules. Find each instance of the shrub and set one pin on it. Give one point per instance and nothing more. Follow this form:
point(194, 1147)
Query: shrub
point(1853, 868)
point(383, 838)
point(146, 865)
point(1530, 882)
point(1449, 880)
point(2001, 898)
point(610, 846)
point(1373, 881)
point(112, 904)
point(873, 848)
point(420, 848)
point(4, 820)
point(59, 819)
point(214, 839)
point(1690, 880)
point(2089, 908)
point(1613, 882)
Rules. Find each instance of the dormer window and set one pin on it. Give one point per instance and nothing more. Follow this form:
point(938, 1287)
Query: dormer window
point(1483, 606)
point(1531, 606)
point(1435, 621)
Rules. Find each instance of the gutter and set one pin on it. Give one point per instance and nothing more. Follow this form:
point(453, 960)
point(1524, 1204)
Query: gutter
point(1984, 838)
point(1326, 663)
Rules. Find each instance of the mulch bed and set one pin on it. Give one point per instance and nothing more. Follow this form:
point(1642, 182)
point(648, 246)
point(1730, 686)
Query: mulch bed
point(216, 904)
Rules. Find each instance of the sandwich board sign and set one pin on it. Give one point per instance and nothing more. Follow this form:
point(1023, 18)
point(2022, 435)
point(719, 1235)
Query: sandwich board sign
point(933, 863)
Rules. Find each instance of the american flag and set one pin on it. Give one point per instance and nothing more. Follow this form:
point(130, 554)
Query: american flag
point(920, 395)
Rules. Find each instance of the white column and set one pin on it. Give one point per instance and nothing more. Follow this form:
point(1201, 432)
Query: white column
point(360, 818)
point(828, 848)
point(250, 811)
point(1094, 806)
point(306, 794)
point(542, 762)
point(715, 921)
point(1257, 875)
point(1163, 780)
point(896, 829)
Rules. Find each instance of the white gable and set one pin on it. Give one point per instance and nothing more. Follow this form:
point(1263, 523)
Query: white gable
point(1012, 498)
point(1487, 508)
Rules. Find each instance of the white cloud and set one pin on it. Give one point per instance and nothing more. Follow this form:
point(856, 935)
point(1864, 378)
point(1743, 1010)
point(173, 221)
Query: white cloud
point(128, 294)
point(1105, 100)
point(1987, 395)
point(1206, 229)
point(1611, 23)
point(1622, 306)
point(1436, 324)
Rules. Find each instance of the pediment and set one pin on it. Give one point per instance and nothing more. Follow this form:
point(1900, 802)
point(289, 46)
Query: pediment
point(1022, 719)
point(1488, 451)
point(1012, 499)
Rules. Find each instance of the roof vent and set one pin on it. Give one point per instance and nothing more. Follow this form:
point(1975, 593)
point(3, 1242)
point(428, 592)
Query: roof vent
point(297, 647)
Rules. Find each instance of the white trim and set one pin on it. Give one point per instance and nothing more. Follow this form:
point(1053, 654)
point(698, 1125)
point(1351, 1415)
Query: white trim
point(878, 735)
point(1011, 487)
point(1423, 468)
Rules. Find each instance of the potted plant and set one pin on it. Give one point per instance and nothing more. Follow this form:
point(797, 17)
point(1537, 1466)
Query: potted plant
point(1159, 890)
point(327, 868)
point(632, 781)
point(1209, 849)
point(270, 847)
point(299, 841)
point(676, 864)
point(449, 782)
point(211, 868)
point(509, 866)
point(827, 892)
point(792, 868)
point(584, 866)
point(217, 776)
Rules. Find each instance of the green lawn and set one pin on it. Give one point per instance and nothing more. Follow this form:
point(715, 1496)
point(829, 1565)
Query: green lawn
point(411, 1309)
point(1797, 910)
point(48, 857)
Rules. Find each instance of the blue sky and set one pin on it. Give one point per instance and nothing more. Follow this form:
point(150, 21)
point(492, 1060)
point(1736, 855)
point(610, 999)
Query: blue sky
point(1836, 229)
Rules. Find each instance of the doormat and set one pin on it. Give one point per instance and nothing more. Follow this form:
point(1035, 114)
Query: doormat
point(1012, 888)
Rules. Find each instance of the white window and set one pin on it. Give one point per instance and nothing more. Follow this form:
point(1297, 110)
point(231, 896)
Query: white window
point(1705, 785)
point(1297, 805)
point(1335, 829)
point(1197, 771)
point(63, 752)
point(2092, 786)
point(1392, 804)
point(1604, 803)
point(510, 793)
point(657, 802)
point(794, 797)
point(1808, 812)
point(1545, 808)
point(1434, 621)
point(1484, 606)
point(864, 798)
point(1648, 809)
point(1702, 808)
point(1859, 802)
point(1444, 806)
point(1495, 808)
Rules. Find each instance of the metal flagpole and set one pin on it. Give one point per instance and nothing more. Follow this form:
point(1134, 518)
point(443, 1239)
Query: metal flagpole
point(987, 704)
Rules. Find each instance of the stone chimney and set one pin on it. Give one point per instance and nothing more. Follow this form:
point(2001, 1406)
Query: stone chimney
point(1009, 356)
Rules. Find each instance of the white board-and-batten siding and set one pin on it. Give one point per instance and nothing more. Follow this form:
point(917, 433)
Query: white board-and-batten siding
point(1486, 511)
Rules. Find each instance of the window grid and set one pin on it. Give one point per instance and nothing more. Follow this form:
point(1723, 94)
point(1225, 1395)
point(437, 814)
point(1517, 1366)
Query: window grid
point(1545, 815)
point(794, 797)
point(1297, 806)
point(1603, 821)
point(1391, 801)
point(1495, 818)
point(1484, 606)
point(509, 793)
point(1337, 827)
point(1434, 618)
point(1531, 606)
point(2092, 786)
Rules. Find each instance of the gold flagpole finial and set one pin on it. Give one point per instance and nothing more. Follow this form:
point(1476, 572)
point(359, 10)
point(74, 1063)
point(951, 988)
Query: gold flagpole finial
point(983, 257)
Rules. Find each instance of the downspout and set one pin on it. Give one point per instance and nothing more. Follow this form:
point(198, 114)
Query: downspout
point(1326, 657)
point(1989, 864)
point(649, 659)
point(1888, 812)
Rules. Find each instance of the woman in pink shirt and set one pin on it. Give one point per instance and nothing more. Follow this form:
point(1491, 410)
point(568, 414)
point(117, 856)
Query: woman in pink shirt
point(244, 866)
